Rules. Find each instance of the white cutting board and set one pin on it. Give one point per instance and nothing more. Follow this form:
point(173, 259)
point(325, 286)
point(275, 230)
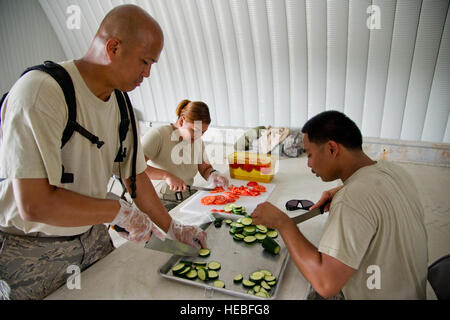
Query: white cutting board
point(194, 206)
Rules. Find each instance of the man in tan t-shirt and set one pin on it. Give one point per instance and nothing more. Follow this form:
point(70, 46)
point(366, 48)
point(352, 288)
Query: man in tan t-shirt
point(46, 223)
point(374, 245)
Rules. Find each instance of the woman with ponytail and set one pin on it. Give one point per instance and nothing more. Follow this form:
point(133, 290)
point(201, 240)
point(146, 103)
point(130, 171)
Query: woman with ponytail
point(175, 153)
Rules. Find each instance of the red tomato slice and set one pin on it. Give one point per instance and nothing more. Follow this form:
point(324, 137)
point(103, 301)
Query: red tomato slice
point(220, 200)
point(259, 188)
point(208, 200)
point(252, 184)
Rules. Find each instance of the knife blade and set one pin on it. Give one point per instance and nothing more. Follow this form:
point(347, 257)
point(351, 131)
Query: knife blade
point(308, 215)
point(171, 246)
point(166, 245)
point(201, 188)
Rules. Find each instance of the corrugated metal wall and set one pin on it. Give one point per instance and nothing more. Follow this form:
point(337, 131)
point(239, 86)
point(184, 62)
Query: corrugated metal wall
point(279, 62)
point(27, 38)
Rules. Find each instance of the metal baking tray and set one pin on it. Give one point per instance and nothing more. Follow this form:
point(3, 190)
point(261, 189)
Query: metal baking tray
point(235, 257)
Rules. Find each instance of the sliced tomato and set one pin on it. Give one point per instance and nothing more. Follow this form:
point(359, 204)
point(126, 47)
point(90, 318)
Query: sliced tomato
point(220, 200)
point(259, 188)
point(252, 184)
point(214, 210)
point(208, 200)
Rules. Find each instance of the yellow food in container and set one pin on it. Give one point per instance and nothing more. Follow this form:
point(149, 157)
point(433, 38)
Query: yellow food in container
point(252, 166)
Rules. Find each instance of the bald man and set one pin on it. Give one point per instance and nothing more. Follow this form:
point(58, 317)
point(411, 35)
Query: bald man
point(47, 226)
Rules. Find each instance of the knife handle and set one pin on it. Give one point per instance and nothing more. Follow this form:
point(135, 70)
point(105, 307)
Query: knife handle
point(118, 228)
point(322, 207)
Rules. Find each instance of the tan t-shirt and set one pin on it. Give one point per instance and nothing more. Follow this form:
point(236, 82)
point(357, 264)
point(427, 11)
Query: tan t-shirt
point(34, 116)
point(165, 151)
point(376, 225)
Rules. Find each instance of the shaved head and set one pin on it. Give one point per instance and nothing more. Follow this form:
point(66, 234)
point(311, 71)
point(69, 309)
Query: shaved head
point(130, 24)
point(128, 42)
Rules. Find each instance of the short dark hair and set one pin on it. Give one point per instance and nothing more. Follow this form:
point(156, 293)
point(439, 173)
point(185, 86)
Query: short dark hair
point(333, 125)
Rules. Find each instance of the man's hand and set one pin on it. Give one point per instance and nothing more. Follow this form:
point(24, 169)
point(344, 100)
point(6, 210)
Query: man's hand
point(269, 215)
point(326, 196)
point(137, 223)
point(191, 235)
point(175, 183)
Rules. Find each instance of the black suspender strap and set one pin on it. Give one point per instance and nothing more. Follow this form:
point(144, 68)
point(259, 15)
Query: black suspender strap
point(126, 109)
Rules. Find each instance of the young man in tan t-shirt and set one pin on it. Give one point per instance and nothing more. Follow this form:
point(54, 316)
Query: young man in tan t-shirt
point(374, 245)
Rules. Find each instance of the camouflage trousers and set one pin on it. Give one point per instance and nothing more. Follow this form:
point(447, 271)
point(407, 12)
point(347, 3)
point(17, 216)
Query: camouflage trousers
point(34, 267)
point(313, 295)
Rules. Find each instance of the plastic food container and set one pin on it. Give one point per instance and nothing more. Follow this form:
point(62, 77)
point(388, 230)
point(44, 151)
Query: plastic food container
point(252, 166)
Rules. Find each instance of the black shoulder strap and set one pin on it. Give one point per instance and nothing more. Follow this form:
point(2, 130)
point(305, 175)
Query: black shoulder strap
point(126, 108)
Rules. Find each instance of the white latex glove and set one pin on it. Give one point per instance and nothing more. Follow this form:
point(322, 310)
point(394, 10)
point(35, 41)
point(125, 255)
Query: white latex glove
point(218, 180)
point(190, 235)
point(137, 223)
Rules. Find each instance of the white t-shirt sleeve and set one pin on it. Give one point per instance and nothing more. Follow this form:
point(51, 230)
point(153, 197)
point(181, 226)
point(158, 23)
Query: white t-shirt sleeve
point(347, 235)
point(151, 143)
point(33, 124)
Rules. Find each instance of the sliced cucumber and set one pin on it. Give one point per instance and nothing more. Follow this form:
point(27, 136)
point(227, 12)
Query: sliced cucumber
point(256, 276)
point(265, 285)
point(228, 207)
point(256, 288)
point(262, 294)
point(178, 268)
point(204, 252)
point(214, 265)
point(246, 221)
point(237, 225)
point(219, 284)
point(212, 274)
point(272, 234)
point(238, 278)
point(272, 283)
point(266, 272)
point(249, 239)
point(228, 221)
point(249, 231)
point(260, 237)
point(248, 284)
point(261, 228)
point(250, 291)
point(202, 274)
point(238, 237)
point(185, 271)
point(192, 274)
point(268, 278)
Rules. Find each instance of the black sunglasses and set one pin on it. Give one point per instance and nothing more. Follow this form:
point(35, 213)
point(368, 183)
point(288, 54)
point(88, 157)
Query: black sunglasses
point(292, 205)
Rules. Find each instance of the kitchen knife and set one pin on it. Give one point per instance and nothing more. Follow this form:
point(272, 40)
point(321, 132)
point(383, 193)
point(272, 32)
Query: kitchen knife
point(200, 188)
point(171, 246)
point(166, 245)
point(308, 215)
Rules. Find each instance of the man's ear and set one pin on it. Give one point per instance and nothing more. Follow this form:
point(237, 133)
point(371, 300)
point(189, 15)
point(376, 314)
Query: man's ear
point(333, 148)
point(112, 46)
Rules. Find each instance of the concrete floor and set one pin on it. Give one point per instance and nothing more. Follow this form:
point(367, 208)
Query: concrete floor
point(433, 183)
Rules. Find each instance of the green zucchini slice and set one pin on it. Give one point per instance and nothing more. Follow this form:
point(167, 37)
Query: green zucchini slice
point(249, 239)
point(256, 276)
point(219, 284)
point(238, 278)
point(192, 274)
point(272, 234)
point(248, 284)
point(214, 265)
point(178, 268)
point(204, 252)
point(212, 274)
point(202, 274)
point(246, 221)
